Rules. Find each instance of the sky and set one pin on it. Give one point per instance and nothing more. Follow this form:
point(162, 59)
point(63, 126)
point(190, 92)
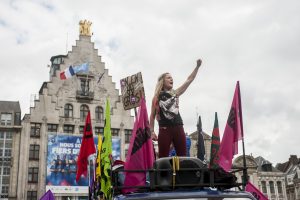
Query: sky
point(255, 42)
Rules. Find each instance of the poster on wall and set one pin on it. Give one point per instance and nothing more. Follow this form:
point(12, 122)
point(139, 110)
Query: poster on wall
point(61, 160)
point(132, 90)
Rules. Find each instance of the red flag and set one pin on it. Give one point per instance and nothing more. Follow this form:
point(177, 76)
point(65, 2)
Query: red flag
point(86, 149)
point(233, 132)
point(255, 192)
point(215, 145)
point(140, 152)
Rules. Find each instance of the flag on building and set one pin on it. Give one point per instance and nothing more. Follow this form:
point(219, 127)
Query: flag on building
point(200, 143)
point(48, 196)
point(215, 145)
point(81, 68)
point(67, 73)
point(106, 155)
point(233, 132)
point(140, 152)
point(86, 149)
point(72, 70)
point(255, 192)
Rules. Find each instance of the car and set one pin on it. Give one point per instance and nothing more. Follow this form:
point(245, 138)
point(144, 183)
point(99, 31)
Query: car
point(193, 180)
point(200, 194)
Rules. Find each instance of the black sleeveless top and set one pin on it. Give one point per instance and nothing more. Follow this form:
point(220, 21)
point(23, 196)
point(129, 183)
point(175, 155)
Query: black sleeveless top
point(169, 109)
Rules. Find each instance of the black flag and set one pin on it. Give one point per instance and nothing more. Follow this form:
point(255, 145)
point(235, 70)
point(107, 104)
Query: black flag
point(200, 145)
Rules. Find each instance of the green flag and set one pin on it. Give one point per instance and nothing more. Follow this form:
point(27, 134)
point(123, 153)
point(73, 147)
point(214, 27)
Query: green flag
point(215, 145)
point(106, 155)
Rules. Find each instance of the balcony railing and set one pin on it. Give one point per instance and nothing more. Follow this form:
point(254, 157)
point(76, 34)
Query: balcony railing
point(84, 95)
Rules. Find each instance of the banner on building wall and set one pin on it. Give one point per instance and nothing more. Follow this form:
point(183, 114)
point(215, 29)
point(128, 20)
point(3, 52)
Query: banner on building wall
point(62, 156)
point(132, 90)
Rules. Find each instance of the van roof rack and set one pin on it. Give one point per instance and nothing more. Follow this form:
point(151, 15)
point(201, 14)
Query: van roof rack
point(206, 178)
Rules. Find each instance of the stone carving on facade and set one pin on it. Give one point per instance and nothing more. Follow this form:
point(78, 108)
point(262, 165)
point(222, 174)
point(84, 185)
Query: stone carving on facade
point(102, 90)
point(250, 162)
point(27, 118)
point(44, 119)
point(85, 27)
point(77, 122)
point(61, 121)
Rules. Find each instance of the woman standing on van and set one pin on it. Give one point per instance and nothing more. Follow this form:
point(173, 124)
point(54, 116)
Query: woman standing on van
point(165, 107)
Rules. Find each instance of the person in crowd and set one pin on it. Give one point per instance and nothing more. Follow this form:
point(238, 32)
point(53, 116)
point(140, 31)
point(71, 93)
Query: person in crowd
point(165, 108)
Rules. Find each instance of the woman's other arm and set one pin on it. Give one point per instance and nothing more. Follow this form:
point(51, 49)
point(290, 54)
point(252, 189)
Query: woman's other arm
point(179, 91)
point(152, 118)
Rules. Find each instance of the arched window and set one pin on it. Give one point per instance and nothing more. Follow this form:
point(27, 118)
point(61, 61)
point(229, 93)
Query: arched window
point(279, 186)
point(264, 187)
point(99, 114)
point(272, 188)
point(84, 109)
point(68, 110)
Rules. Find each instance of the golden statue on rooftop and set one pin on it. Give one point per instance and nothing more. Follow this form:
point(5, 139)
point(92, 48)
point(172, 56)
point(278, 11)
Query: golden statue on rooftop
point(85, 27)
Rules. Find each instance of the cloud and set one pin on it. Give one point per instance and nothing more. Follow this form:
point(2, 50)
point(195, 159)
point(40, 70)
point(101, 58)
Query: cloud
point(254, 42)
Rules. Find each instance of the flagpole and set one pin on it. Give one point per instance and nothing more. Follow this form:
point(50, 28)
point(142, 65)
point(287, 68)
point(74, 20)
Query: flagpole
point(245, 174)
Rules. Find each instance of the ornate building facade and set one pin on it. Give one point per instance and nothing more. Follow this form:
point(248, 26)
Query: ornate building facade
point(291, 169)
point(10, 134)
point(61, 110)
point(264, 176)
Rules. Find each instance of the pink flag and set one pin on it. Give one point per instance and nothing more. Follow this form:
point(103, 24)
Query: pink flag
point(233, 132)
point(255, 192)
point(140, 153)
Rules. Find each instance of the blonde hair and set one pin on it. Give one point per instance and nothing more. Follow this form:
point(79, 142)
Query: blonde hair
point(160, 84)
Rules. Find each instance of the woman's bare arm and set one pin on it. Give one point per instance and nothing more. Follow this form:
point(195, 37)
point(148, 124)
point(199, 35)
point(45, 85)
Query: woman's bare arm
point(179, 91)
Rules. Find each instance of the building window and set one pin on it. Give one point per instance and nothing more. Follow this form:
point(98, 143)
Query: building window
point(264, 187)
point(84, 109)
point(272, 188)
point(33, 173)
point(6, 171)
point(99, 130)
point(126, 152)
point(8, 135)
point(66, 197)
point(99, 114)
point(279, 186)
point(81, 129)
point(52, 128)
point(4, 192)
point(35, 130)
point(6, 119)
point(115, 132)
point(4, 180)
point(68, 110)
point(85, 87)
point(34, 152)
point(82, 198)
point(31, 195)
point(127, 135)
point(7, 152)
point(17, 118)
point(5, 147)
point(68, 129)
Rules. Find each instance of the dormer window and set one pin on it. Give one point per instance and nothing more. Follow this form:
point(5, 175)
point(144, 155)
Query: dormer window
point(55, 64)
point(6, 119)
point(267, 167)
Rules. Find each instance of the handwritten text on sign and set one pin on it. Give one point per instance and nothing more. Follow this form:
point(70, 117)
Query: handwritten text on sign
point(132, 89)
